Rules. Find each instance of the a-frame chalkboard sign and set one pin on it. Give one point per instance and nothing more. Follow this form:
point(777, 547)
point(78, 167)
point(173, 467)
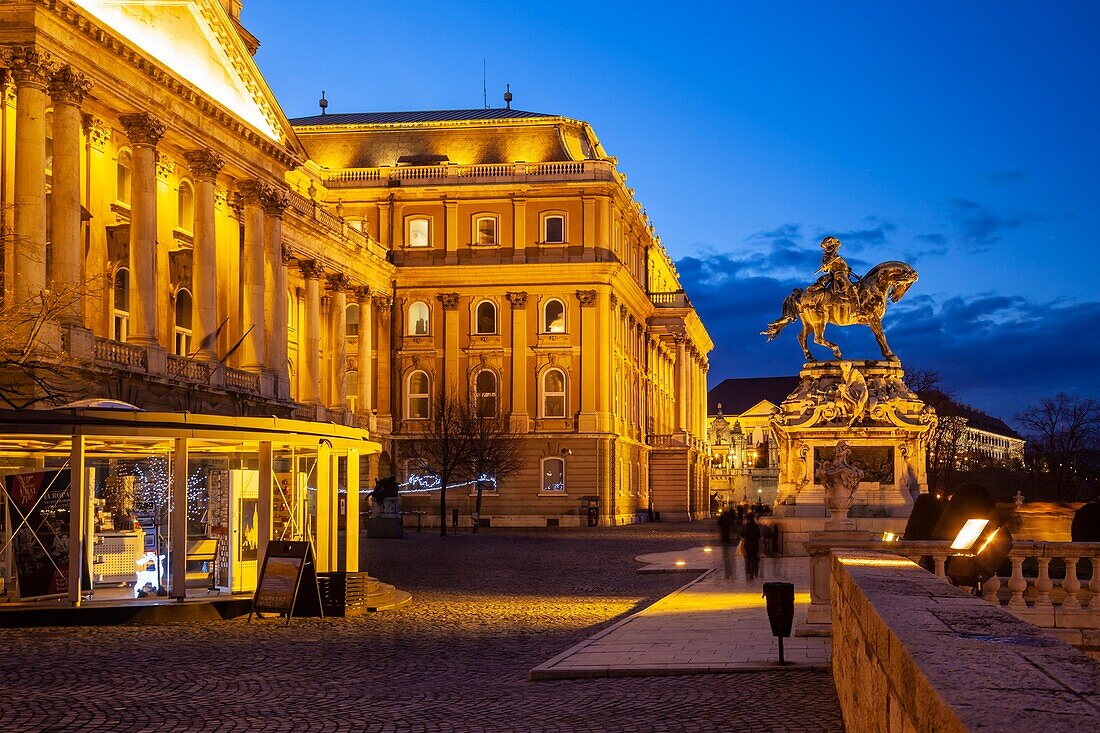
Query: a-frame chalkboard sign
point(288, 582)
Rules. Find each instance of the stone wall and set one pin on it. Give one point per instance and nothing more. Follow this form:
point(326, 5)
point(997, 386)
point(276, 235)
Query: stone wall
point(913, 653)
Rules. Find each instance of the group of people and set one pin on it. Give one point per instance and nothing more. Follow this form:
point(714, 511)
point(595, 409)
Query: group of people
point(748, 537)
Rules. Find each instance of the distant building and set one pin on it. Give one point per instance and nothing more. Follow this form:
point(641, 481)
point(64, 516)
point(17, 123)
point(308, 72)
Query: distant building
point(982, 437)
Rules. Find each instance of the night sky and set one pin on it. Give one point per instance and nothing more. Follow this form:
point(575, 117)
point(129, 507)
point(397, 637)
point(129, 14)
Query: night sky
point(960, 137)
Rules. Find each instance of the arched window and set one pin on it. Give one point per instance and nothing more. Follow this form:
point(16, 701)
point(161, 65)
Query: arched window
point(553, 474)
point(122, 176)
point(185, 209)
point(418, 232)
point(553, 316)
point(485, 230)
point(351, 389)
point(553, 229)
point(418, 396)
point(352, 329)
point(486, 317)
point(485, 387)
point(418, 324)
point(120, 312)
point(553, 393)
point(183, 323)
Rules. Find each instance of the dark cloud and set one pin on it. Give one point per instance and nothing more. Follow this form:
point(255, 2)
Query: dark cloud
point(1005, 177)
point(1000, 353)
point(979, 226)
point(934, 238)
point(873, 236)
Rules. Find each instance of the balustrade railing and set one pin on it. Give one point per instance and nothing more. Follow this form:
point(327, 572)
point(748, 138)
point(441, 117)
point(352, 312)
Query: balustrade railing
point(241, 381)
point(120, 353)
point(563, 170)
point(182, 367)
point(672, 299)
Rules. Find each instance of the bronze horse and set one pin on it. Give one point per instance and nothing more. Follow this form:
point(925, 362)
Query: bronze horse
point(819, 307)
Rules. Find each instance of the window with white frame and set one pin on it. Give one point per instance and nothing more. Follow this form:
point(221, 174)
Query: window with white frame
point(351, 389)
point(485, 388)
point(120, 312)
point(485, 230)
point(418, 397)
point(553, 229)
point(123, 174)
point(182, 328)
point(486, 317)
point(419, 229)
point(553, 393)
point(553, 474)
point(351, 328)
point(185, 207)
point(553, 316)
point(419, 316)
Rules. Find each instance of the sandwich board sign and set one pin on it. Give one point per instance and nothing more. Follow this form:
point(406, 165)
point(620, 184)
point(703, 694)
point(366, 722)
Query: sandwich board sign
point(288, 581)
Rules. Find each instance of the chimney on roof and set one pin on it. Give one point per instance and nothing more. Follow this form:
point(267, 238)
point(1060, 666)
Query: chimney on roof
point(323, 103)
point(508, 96)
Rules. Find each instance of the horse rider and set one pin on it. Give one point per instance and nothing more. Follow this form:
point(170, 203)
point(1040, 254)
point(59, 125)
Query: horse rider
point(837, 277)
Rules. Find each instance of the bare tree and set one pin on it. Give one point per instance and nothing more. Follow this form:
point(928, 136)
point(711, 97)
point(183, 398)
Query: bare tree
point(947, 443)
point(1062, 431)
point(440, 446)
point(494, 451)
point(36, 368)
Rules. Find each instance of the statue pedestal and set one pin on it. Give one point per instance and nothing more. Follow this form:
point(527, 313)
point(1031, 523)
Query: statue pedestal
point(884, 424)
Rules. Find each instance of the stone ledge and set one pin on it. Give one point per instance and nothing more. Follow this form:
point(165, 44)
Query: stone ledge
point(912, 652)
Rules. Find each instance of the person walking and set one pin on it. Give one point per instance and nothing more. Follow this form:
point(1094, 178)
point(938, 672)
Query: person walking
point(725, 533)
point(750, 546)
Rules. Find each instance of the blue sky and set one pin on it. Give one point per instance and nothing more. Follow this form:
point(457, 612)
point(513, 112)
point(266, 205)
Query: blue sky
point(961, 137)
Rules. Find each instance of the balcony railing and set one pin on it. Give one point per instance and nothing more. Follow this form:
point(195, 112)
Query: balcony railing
point(241, 381)
point(586, 170)
point(310, 209)
point(181, 367)
point(671, 299)
point(119, 353)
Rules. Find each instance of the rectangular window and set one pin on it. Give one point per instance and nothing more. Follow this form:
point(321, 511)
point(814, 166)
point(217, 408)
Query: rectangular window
point(486, 230)
point(554, 230)
point(418, 233)
point(553, 474)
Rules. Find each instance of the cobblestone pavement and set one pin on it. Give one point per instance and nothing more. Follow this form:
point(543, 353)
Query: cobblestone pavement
point(486, 609)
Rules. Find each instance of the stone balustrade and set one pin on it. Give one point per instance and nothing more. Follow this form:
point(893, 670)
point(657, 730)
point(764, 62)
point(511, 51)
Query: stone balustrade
point(189, 370)
point(242, 381)
point(1054, 585)
point(586, 170)
point(120, 354)
point(913, 653)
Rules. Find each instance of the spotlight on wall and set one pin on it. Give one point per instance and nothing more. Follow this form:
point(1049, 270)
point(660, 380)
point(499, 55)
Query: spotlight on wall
point(567, 451)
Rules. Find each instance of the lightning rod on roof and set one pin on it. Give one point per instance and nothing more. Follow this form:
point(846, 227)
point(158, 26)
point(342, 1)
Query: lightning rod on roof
point(508, 96)
point(323, 103)
point(484, 87)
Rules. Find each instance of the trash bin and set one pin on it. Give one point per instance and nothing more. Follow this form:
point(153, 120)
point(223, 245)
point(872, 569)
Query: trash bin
point(780, 602)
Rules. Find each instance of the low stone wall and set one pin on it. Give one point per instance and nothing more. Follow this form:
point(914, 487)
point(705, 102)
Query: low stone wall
point(794, 532)
point(913, 653)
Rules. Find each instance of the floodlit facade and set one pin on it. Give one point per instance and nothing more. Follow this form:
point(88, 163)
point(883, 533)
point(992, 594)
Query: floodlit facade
point(220, 259)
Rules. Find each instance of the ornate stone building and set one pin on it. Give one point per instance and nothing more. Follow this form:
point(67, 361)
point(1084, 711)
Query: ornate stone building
point(343, 268)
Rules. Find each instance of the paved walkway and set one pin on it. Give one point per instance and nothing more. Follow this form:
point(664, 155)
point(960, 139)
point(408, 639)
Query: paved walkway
point(710, 625)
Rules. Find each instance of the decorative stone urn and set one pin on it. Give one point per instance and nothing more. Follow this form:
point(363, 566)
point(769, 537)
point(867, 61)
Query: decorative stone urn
point(840, 479)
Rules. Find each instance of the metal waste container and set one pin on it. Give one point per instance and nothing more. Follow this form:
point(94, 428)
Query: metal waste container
point(780, 601)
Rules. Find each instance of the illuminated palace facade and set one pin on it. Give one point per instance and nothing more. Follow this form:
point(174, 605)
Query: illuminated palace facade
point(344, 268)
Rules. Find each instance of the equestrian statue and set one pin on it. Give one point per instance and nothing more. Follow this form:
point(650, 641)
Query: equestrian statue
point(844, 299)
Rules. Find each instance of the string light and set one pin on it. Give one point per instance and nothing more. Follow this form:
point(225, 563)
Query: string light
point(427, 484)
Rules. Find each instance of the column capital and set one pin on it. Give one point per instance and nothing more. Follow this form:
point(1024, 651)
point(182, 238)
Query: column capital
point(288, 254)
point(517, 299)
point(311, 269)
point(29, 66)
point(204, 163)
point(338, 282)
point(383, 302)
point(362, 294)
point(587, 298)
point(143, 128)
point(449, 301)
point(275, 200)
point(68, 86)
point(97, 131)
point(614, 300)
point(252, 192)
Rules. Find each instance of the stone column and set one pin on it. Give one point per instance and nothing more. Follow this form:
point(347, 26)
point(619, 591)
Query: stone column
point(29, 70)
point(383, 308)
point(518, 417)
point(67, 90)
point(363, 355)
point(589, 357)
point(204, 165)
point(144, 131)
point(253, 351)
point(450, 224)
point(310, 352)
point(450, 341)
point(338, 284)
point(680, 381)
point(276, 300)
point(588, 253)
point(519, 230)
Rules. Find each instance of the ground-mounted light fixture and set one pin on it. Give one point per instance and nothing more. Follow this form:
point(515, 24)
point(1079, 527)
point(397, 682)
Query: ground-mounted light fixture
point(978, 550)
point(889, 537)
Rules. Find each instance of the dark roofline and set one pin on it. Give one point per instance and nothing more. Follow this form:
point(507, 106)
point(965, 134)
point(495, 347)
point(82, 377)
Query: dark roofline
point(417, 116)
point(739, 394)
